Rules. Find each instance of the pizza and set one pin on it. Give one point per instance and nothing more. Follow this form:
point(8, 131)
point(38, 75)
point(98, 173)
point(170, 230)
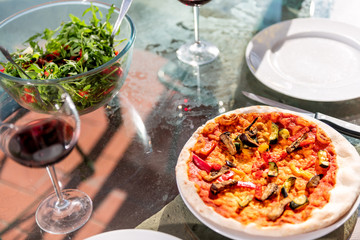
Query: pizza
point(267, 171)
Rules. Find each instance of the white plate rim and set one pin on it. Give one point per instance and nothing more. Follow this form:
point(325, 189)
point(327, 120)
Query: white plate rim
point(135, 234)
point(270, 78)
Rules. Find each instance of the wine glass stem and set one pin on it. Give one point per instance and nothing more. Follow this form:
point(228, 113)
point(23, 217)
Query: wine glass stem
point(196, 23)
point(51, 171)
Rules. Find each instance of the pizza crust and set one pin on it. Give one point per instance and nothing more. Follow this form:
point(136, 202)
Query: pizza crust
point(342, 196)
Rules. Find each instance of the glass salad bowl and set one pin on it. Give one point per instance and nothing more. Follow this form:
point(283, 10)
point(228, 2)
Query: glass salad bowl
point(96, 84)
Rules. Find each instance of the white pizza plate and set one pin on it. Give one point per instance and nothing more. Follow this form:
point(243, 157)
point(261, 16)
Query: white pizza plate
point(308, 58)
point(229, 231)
point(133, 234)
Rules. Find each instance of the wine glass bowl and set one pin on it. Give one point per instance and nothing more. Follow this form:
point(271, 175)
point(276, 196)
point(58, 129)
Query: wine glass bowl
point(31, 145)
point(198, 52)
point(36, 139)
point(89, 90)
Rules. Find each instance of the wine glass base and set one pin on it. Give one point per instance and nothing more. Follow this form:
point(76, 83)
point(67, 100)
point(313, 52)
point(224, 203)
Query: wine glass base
point(70, 216)
point(197, 53)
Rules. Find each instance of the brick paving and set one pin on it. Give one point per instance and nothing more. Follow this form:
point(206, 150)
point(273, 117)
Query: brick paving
point(22, 188)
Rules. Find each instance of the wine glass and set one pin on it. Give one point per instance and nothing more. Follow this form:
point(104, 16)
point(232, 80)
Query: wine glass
point(41, 139)
point(199, 52)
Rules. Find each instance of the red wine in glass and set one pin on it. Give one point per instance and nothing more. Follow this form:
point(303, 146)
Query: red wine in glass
point(41, 143)
point(41, 139)
point(194, 2)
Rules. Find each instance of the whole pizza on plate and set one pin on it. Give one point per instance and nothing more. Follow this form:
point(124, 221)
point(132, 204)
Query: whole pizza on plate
point(267, 171)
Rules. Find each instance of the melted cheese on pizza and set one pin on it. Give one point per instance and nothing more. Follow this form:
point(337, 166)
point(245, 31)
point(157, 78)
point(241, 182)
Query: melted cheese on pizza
point(251, 184)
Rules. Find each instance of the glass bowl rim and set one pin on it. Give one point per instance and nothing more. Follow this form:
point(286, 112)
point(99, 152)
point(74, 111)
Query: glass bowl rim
point(75, 77)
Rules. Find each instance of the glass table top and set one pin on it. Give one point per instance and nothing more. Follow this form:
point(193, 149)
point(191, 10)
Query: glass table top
point(127, 151)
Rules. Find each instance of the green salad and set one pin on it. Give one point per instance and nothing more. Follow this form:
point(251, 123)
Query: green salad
point(73, 48)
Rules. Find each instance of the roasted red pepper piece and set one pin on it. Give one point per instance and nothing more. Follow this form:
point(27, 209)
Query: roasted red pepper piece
point(226, 176)
point(247, 185)
point(201, 164)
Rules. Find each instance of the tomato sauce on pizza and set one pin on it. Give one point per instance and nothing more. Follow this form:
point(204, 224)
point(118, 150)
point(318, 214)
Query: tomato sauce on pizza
point(264, 168)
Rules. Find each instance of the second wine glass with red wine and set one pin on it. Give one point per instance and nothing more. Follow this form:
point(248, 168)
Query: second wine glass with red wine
point(198, 52)
point(41, 139)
